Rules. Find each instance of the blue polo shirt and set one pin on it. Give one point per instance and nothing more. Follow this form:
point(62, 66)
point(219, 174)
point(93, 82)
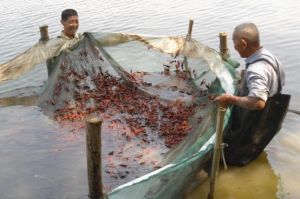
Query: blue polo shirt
point(260, 78)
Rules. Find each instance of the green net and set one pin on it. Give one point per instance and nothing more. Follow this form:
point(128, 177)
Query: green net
point(154, 95)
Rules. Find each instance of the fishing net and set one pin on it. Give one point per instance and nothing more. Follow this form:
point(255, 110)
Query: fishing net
point(154, 95)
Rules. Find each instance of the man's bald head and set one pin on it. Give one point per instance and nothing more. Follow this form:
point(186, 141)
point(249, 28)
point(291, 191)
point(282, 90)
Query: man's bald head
point(246, 39)
point(249, 32)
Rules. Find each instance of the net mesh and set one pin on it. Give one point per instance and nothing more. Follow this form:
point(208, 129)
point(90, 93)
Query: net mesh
point(154, 95)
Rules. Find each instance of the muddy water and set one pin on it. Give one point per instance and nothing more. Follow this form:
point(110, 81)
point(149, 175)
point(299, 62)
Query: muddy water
point(255, 180)
point(38, 160)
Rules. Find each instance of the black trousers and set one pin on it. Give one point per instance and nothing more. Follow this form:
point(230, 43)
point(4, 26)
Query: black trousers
point(248, 132)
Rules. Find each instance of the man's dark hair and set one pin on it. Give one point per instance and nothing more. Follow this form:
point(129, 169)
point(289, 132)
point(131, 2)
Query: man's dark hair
point(68, 13)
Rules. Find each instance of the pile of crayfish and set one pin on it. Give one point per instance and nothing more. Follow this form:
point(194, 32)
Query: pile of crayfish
point(139, 110)
point(138, 127)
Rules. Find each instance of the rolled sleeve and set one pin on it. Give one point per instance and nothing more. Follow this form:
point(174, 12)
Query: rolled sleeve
point(257, 85)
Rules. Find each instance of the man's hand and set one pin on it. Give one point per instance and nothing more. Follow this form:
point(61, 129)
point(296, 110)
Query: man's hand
point(224, 100)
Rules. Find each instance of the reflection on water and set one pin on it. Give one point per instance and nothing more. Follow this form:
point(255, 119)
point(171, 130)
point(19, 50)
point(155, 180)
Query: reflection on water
point(284, 153)
point(39, 160)
point(14, 101)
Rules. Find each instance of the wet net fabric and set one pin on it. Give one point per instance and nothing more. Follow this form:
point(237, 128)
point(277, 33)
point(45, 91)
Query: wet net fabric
point(35, 55)
point(154, 95)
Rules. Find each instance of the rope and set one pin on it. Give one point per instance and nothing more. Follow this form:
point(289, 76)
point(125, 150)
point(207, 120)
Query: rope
point(223, 155)
point(294, 111)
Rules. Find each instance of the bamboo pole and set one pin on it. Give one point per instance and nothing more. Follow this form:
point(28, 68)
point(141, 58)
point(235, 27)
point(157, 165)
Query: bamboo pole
point(43, 39)
point(217, 151)
point(93, 151)
point(223, 45)
point(188, 37)
point(44, 33)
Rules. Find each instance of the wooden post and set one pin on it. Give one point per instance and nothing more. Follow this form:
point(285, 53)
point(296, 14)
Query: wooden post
point(44, 33)
point(217, 151)
point(93, 151)
point(188, 37)
point(223, 45)
point(44, 38)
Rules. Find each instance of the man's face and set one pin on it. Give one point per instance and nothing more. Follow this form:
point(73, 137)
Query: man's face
point(70, 26)
point(239, 45)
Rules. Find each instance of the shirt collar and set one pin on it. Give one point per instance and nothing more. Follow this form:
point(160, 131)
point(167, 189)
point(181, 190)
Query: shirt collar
point(62, 35)
point(254, 56)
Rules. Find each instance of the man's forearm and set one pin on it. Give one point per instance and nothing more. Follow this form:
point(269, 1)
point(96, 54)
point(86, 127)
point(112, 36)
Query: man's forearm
point(247, 102)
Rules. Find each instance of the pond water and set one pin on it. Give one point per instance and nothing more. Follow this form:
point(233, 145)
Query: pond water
point(40, 160)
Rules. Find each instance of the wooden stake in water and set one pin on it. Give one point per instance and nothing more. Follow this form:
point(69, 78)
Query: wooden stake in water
point(44, 38)
point(93, 151)
point(223, 45)
point(44, 33)
point(188, 37)
point(217, 151)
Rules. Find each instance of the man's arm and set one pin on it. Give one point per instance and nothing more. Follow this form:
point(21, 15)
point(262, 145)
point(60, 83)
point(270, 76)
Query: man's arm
point(248, 102)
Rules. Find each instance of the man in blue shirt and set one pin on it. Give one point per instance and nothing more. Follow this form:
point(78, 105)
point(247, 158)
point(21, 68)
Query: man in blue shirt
point(260, 80)
point(258, 111)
